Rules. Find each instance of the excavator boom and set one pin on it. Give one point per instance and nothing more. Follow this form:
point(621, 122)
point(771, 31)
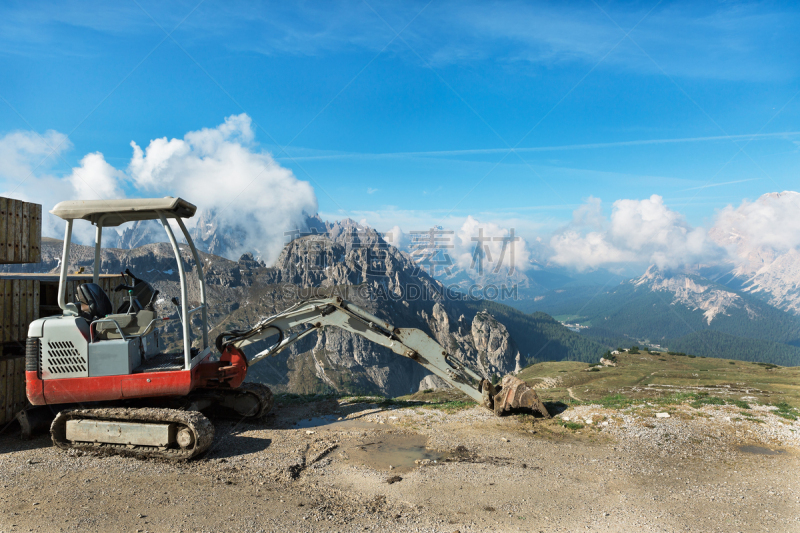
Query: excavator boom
point(307, 316)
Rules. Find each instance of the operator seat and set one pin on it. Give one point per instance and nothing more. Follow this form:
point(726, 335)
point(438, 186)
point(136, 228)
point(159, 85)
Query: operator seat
point(94, 302)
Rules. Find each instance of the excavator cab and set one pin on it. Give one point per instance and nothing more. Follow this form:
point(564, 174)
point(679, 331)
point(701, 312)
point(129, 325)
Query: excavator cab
point(90, 339)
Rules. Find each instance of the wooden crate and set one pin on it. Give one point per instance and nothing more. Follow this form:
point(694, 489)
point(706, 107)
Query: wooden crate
point(12, 387)
point(20, 231)
point(20, 305)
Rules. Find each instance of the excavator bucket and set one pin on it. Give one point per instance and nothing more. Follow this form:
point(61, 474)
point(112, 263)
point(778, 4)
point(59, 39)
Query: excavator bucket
point(515, 396)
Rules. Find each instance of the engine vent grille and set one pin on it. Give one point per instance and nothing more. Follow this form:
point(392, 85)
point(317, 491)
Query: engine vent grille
point(63, 358)
point(33, 355)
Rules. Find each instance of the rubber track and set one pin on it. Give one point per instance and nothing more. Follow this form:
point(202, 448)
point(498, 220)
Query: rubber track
point(264, 394)
point(201, 427)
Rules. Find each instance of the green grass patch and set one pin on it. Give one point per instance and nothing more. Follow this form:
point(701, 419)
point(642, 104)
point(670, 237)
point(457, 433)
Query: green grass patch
point(632, 376)
point(570, 425)
point(620, 401)
point(448, 400)
point(696, 400)
point(452, 407)
point(786, 411)
point(702, 398)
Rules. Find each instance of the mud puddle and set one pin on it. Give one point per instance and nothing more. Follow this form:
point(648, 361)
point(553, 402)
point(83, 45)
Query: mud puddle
point(398, 451)
point(759, 450)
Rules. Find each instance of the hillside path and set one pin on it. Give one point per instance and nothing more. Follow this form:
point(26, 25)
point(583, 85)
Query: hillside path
point(572, 394)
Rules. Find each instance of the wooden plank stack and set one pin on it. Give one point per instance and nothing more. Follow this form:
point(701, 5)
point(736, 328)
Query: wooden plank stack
point(20, 232)
point(20, 242)
point(12, 387)
point(19, 305)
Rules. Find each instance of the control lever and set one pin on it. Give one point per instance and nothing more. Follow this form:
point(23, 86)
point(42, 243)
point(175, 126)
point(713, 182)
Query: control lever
point(177, 305)
point(131, 307)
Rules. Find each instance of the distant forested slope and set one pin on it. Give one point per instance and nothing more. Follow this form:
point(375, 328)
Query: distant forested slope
point(538, 336)
point(723, 345)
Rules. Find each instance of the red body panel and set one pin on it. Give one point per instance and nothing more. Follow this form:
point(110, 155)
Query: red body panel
point(229, 372)
point(33, 388)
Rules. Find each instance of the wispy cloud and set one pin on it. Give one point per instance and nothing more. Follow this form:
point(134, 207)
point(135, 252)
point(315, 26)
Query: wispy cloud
point(370, 190)
point(553, 148)
point(712, 40)
point(718, 184)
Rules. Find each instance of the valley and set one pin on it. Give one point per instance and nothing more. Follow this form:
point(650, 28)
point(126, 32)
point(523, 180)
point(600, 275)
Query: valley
point(684, 312)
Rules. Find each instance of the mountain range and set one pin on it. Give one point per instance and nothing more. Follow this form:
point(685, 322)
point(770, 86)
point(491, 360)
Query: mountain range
point(681, 312)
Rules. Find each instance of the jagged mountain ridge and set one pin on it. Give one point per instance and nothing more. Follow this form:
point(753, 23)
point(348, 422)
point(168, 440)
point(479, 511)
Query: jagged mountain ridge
point(695, 293)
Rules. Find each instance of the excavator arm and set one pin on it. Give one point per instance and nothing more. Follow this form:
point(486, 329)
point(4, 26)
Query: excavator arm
point(305, 317)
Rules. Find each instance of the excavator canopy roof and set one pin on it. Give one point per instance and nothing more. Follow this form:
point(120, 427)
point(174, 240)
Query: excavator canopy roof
point(116, 212)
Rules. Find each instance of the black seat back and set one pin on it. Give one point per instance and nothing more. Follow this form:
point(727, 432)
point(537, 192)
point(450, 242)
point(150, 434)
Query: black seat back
point(95, 299)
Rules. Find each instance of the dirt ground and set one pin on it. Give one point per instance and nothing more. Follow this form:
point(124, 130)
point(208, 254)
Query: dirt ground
point(698, 470)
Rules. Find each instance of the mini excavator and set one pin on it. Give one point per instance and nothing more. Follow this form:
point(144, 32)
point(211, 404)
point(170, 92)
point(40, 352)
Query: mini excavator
point(117, 389)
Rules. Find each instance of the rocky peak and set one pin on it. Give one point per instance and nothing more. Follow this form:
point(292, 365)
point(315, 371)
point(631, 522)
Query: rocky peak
point(338, 259)
point(248, 261)
point(134, 235)
point(692, 291)
point(496, 351)
point(352, 235)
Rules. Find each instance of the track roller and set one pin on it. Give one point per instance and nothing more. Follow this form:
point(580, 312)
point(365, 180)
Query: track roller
point(144, 432)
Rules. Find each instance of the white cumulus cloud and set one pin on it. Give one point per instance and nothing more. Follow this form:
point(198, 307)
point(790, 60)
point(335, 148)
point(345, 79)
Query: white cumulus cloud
point(501, 249)
point(96, 179)
point(218, 169)
point(772, 221)
point(638, 231)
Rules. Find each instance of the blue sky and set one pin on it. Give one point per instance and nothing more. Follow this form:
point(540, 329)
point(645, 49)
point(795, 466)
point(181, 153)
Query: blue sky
point(406, 114)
